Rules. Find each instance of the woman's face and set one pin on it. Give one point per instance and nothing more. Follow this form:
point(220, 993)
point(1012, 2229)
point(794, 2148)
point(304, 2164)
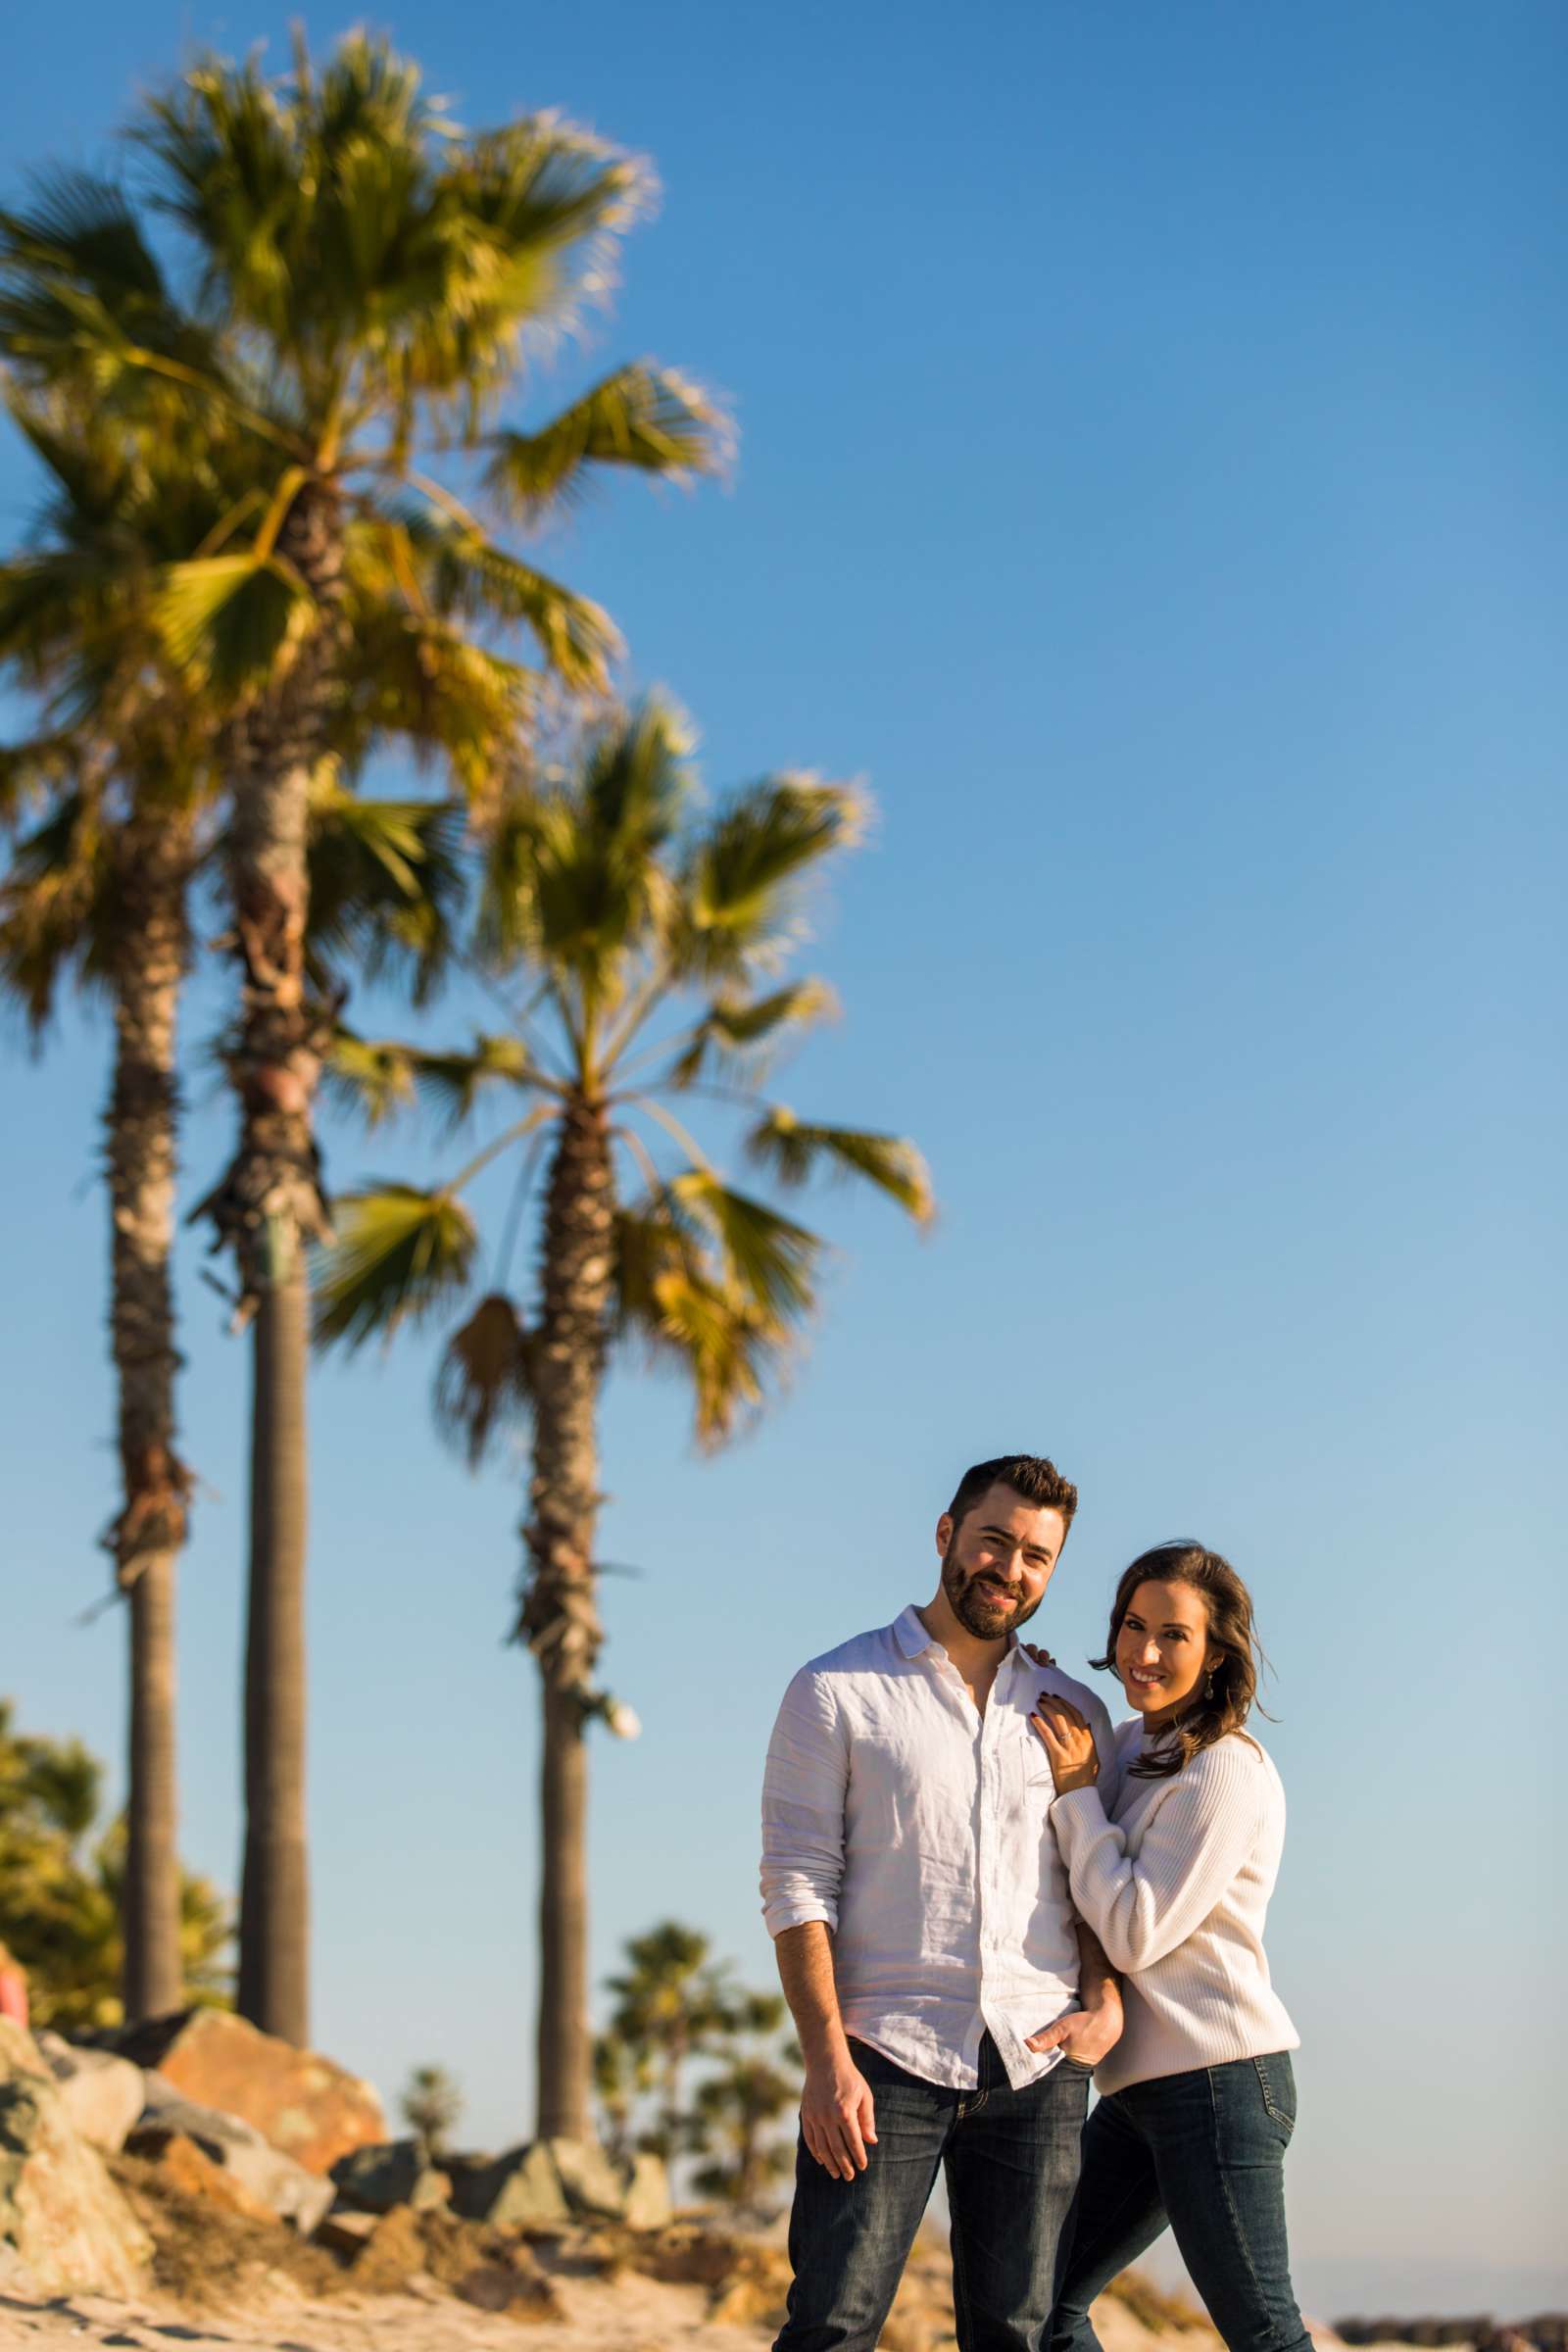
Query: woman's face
point(1162, 1649)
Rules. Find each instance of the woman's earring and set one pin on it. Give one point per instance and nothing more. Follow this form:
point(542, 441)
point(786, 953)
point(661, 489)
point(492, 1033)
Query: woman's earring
point(1208, 1687)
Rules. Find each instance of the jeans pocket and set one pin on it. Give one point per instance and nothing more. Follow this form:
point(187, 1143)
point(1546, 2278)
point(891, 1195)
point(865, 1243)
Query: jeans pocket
point(1276, 2080)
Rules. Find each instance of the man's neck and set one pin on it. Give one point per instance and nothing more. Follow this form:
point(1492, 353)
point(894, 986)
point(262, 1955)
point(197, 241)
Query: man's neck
point(976, 1658)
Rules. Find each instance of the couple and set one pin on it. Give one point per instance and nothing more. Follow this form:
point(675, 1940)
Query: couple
point(981, 1895)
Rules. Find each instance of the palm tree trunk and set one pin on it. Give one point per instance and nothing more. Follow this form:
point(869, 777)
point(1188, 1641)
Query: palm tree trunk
point(559, 1618)
point(149, 1531)
point(273, 1989)
point(268, 1207)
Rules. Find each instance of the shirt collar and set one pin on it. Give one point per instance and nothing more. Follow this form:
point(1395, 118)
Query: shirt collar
point(908, 1632)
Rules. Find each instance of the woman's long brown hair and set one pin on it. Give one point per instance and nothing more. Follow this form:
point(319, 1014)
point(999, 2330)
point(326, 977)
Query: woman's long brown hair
point(1228, 1604)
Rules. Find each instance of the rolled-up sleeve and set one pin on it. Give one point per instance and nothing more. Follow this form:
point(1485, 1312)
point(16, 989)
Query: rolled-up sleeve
point(803, 1808)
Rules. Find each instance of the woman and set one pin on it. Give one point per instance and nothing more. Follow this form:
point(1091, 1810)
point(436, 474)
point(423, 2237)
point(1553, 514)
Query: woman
point(1196, 2100)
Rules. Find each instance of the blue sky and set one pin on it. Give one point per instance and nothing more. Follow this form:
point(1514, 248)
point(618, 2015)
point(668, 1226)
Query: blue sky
point(1151, 482)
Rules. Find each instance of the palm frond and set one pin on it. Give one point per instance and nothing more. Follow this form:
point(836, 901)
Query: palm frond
point(636, 778)
point(740, 1032)
point(422, 680)
point(83, 305)
point(399, 1253)
point(556, 892)
point(485, 1377)
point(379, 1077)
point(455, 1081)
point(674, 1295)
point(770, 1258)
point(370, 1076)
point(793, 1152)
point(54, 908)
point(387, 886)
point(469, 577)
point(44, 767)
point(738, 901)
point(225, 620)
point(642, 416)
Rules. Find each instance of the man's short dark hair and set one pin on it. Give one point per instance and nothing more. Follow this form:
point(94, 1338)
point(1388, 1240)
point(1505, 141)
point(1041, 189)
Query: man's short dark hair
point(1029, 1475)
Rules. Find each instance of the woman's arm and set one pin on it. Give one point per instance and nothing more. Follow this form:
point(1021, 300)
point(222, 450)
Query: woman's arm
point(1193, 1846)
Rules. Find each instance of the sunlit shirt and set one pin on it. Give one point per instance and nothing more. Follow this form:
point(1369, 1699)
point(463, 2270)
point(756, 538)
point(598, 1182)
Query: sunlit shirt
point(916, 1829)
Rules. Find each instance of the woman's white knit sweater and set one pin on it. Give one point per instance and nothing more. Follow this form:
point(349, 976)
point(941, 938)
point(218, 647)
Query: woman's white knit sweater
point(1176, 1887)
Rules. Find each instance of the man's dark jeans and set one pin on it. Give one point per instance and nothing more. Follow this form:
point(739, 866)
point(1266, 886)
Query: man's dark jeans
point(1011, 2163)
point(1205, 2152)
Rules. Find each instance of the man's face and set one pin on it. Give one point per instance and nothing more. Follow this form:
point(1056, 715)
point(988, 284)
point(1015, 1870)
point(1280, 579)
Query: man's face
point(996, 1566)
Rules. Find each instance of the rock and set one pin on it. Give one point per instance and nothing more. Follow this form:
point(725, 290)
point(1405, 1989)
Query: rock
point(649, 2204)
point(288, 2191)
point(101, 2093)
point(59, 2209)
point(344, 2231)
point(397, 2173)
point(551, 2184)
point(522, 2293)
point(191, 2171)
point(520, 2190)
point(392, 2253)
point(594, 2190)
point(688, 2255)
point(756, 2293)
point(312, 2109)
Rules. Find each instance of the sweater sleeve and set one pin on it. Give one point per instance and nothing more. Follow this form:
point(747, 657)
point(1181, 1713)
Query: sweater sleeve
point(1196, 1842)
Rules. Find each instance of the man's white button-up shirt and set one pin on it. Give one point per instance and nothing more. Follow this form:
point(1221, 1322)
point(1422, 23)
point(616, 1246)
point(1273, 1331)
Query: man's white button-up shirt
point(917, 1828)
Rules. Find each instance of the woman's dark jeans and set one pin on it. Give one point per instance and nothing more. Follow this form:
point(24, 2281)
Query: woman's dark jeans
point(1205, 2152)
point(1011, 2163)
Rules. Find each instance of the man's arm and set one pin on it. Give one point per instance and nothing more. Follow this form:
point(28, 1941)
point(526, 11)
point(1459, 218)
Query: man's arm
point(1088, 2034)
point(804, 1793)
point(838, 2115)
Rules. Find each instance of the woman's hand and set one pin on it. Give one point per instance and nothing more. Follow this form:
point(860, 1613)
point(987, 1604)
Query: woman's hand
point(1033, 1649)
point(1068, 1743)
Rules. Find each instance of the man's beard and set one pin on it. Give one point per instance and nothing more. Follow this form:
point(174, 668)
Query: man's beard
point(987, 1614)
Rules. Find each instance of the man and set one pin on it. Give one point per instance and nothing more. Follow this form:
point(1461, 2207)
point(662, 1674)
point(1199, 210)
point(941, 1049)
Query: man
point(926, 1938)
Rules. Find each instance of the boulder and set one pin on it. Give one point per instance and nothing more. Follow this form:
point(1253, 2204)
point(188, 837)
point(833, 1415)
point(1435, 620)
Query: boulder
point(344, 2231)
point(520, 2190)
point(397, 2173)
point(190, 2170)
point(595, 2189)
point(312, 2109)
point(66, 2219)
point(648, 2203)
point(391, 2255)
point(521, 2292)
point(101, 2093)
point(285, 2188)
point(551, 2183)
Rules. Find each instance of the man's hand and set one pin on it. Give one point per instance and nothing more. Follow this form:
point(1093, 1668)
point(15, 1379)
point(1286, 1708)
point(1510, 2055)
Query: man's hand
point(1087, 2035)
point(1068, 1743)
point(838, 2116)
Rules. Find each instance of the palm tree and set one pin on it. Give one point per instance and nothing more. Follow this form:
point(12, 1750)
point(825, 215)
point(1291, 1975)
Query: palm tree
point(367, 281)
point(98, 890)
point(62, 1912)
point(672, 2004)
point(752, 2088)
point(126, 778)
point(649, 942)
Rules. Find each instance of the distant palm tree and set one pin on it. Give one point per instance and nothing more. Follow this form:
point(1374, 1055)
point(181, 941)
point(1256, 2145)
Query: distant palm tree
point(366, 278)
point(752, 2090)
point(647, 941)
point(672, 2004)
point(62, 1910)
